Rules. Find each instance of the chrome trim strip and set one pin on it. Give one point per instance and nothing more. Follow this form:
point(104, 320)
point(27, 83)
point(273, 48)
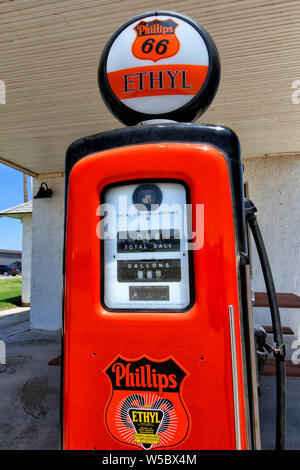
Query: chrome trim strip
point(235, 380)
point(254, 388)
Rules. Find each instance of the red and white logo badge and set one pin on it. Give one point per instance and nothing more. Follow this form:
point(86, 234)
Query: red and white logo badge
point(146, 408)
point(155, 39)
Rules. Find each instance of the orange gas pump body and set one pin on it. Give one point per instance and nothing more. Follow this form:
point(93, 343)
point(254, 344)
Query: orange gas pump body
point(199, 340)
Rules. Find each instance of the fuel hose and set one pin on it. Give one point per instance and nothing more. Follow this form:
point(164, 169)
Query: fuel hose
point(279, 349)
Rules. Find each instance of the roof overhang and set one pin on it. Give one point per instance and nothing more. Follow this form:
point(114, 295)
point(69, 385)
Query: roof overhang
point(18, 212)
point(49, 58)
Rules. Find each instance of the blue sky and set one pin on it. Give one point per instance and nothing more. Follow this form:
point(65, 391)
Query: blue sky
point(11, 194)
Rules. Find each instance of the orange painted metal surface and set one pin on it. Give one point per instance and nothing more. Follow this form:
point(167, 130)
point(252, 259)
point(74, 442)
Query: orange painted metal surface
point(198, 341)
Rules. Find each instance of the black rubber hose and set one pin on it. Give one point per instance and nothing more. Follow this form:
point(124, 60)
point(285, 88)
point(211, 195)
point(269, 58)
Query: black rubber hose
point(279, 351)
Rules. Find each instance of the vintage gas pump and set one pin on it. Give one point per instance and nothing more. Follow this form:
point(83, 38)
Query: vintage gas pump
point(158, 342)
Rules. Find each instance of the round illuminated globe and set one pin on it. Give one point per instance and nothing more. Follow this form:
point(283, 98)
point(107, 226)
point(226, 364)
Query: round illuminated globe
point(160, 65)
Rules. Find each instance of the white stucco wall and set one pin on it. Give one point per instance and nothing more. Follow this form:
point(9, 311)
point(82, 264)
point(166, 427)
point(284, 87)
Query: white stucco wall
point(274, 188)
point(26, 257)
point(47, 254)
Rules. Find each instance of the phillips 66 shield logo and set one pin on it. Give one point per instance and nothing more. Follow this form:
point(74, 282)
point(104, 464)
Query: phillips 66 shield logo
point(146, 408)
point(155, 40)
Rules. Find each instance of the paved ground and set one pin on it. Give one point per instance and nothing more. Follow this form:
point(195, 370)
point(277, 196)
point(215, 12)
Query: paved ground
point(267, 412)
point(13, 321)
point(29, 390)
point(9, 277)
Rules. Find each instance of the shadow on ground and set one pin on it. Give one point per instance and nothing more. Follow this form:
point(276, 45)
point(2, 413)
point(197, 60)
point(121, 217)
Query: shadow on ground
point(29, 418)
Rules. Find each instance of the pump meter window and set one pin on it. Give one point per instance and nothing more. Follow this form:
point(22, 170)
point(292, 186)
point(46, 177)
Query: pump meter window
point(145, 257)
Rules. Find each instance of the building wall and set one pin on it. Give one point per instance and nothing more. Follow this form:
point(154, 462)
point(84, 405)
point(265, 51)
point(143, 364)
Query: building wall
point(274, 188)
point(47, 254)
point(26, 257)
point(8, 258)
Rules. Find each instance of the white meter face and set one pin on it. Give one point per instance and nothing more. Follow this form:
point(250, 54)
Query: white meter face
point(146, 262)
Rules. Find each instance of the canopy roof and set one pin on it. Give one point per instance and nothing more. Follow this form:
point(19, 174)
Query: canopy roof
point(49, 57)
point(17, 212)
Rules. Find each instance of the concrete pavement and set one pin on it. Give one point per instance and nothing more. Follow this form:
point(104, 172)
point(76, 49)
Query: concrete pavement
point(29, 388)
point(267, 412)
point(13, 321)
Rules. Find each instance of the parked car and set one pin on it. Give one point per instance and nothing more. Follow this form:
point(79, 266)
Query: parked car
point(8, 270)
point(16, 266)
